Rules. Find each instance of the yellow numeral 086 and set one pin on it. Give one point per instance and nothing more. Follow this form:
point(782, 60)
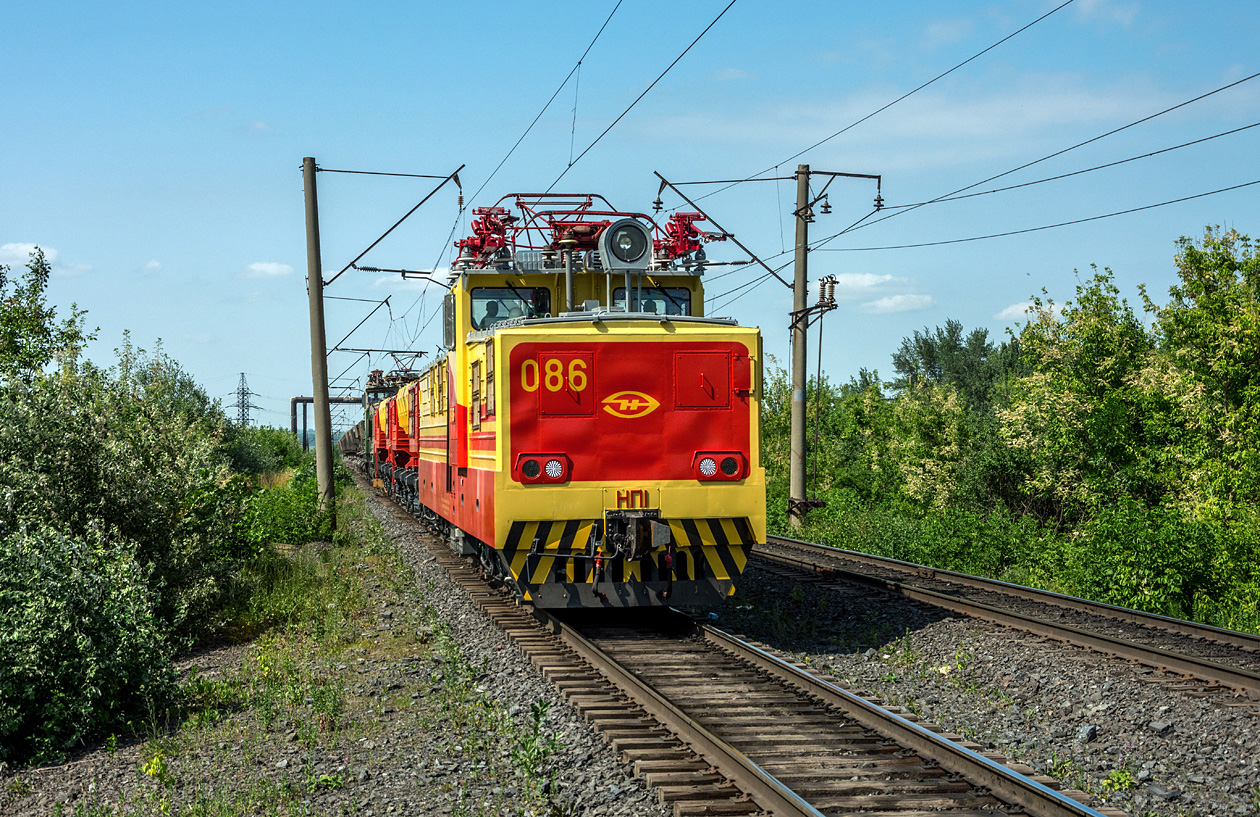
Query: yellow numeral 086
point(554, 375)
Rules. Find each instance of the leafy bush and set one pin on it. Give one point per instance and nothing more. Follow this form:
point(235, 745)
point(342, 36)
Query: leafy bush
point(86, 451)
point(289, 514)
point(953, 538)
point(1148, 558)
point(122, 525)
point(81, 646)
point(262, 450)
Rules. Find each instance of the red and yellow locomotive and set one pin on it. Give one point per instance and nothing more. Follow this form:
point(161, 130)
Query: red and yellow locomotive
point(589, 434)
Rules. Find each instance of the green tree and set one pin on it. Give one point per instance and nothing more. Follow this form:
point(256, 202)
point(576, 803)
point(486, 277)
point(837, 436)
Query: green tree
point(945, 356)
point(1075, 417)
point(30, 336)
point(1210, 332)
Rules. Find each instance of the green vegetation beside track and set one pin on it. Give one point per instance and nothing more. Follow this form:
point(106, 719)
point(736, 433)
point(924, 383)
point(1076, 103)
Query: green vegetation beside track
point(334, 687)
point(181, 632)
point(132, 523)
point(1094, 452)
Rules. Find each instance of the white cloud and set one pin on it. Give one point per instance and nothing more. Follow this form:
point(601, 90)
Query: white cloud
point(897, 303)
point(729, 74)
point(257, 128)
point(1014, 312)
point(1019, 311)
point(268, 269)
point(856, 284)
point(1108, 11)
point(17, 253)
point(153, 266)
point(946, 32)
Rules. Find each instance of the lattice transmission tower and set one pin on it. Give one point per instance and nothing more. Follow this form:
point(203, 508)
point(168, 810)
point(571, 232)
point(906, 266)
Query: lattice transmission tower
point(242, 405)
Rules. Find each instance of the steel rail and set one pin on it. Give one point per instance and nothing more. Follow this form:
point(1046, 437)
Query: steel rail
point(1200, 668)
point(1004, 783)
point(766, 791)
point(1193, 629)
point(763, 787)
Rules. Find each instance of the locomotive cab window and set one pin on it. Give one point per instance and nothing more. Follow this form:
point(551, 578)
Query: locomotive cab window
point(493, 304)
point(657, 300)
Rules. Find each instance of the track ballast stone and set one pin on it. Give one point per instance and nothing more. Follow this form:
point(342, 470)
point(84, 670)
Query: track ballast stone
point(1121, 732)
point(592, 780)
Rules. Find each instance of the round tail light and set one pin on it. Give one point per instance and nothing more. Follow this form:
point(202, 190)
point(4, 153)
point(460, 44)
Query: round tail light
point(542, 468)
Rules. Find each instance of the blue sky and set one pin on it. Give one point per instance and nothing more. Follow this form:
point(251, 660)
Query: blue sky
point(154, 151)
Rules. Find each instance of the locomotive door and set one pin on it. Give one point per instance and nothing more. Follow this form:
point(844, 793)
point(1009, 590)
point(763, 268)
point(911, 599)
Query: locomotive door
point(451, 432)
point(456, 435)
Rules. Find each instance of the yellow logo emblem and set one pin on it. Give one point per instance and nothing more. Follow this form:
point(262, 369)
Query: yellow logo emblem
point(630, 404)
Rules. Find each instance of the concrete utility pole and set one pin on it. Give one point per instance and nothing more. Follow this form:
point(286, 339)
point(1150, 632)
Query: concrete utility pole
point(319, 357)
point(802, 316)
point(796, 461)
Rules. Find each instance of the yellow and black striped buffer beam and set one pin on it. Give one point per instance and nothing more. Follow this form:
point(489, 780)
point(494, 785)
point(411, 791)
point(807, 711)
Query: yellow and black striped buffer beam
point(718, 547)
point(711, 532)
point(548, 540)
point(705, 549)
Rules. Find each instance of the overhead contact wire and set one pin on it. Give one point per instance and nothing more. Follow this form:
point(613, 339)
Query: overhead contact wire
point(577, 88)
point(645, 93)
point(1046, 227)
point(414, 336)
point(1061, 152)
point(921, 87)
point(904, 96)
point(1075, 172)
point(548, 105)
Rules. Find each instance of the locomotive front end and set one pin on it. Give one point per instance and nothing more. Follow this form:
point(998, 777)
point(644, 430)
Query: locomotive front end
point(631, 441)
point(588, 434)
point(635, 476)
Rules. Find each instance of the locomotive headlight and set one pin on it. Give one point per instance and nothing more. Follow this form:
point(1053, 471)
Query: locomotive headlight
point(629, 244)
point(730, 466)
point(531, 469)
point(554, 469)
point(708, 467)
point(624, 245)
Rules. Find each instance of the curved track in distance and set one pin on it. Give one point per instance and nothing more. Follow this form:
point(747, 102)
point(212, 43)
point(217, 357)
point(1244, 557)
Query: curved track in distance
point(1220, 662)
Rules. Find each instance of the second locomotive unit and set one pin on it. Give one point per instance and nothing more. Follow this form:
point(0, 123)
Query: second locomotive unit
point(589, 434)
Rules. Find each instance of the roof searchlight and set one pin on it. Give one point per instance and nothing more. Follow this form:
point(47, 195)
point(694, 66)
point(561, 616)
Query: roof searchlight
point(625, 246)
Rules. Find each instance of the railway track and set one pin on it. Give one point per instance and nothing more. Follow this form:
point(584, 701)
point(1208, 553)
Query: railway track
point(1201, 660)
point(719, 726)
point(800, 744)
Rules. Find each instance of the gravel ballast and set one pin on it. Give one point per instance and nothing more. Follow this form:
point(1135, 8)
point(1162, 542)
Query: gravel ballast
point(1119, 731)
